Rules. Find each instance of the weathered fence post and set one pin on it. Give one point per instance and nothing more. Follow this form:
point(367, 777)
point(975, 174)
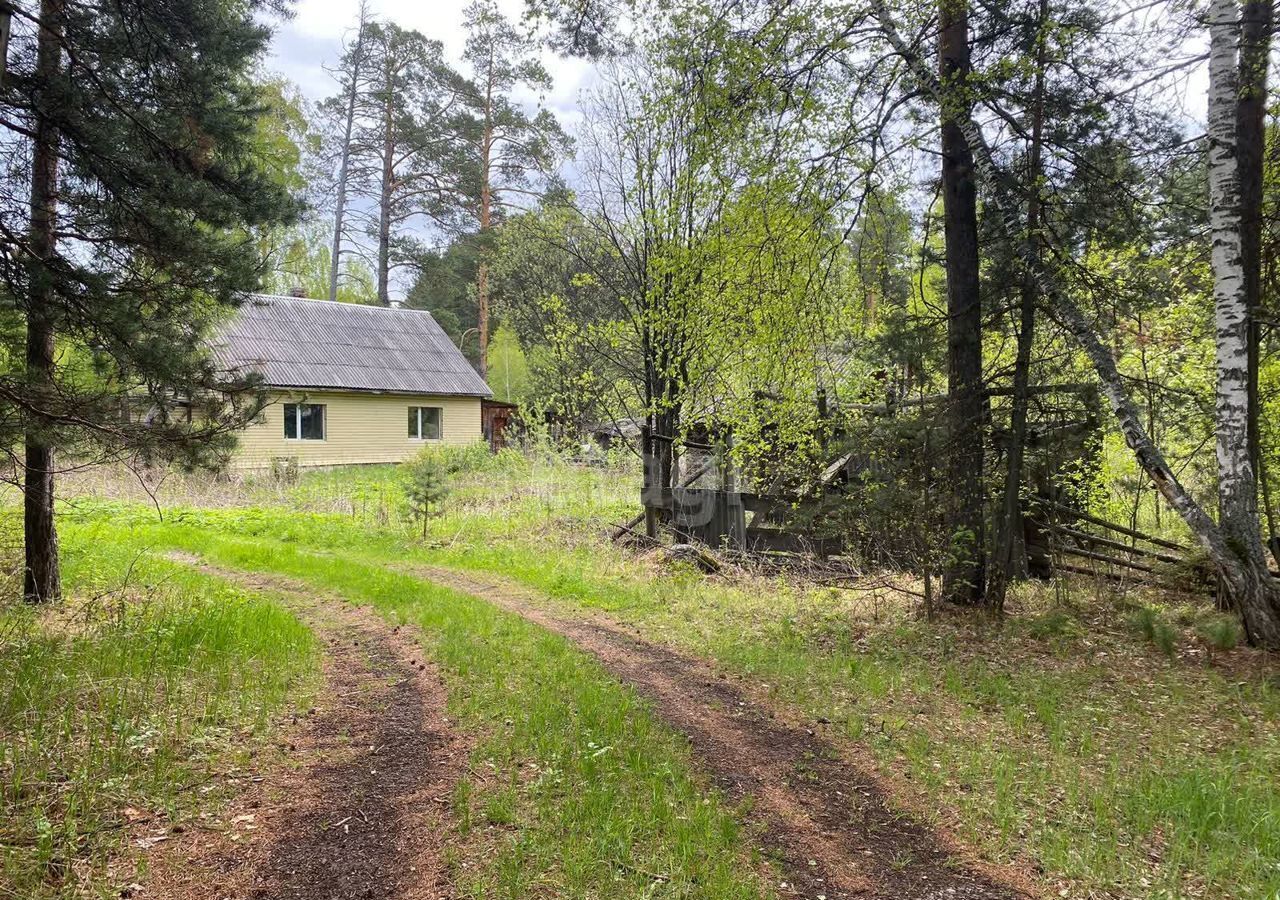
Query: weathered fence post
point(736, 513)
point(647, 492)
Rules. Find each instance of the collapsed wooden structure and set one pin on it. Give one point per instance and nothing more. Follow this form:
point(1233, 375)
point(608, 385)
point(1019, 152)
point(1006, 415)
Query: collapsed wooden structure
point(1056, 537)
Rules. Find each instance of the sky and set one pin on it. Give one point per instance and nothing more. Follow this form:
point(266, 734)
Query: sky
point(313, 38)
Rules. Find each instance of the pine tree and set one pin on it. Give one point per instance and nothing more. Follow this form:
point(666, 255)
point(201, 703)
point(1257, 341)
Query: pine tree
point(136, 126)
point(407, 162)
point(352, 74)
point(426, 486)
point(510, 149)
point(963, 580)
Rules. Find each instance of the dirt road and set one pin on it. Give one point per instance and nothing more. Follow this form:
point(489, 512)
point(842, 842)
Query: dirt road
point(827, 821)
point(359, 810)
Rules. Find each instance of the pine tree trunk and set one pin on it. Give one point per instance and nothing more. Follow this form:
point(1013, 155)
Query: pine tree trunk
point(482, 271)
point(1259, 592)
point(482, 299)
point(1010, 553)
point(486, 221)
point(963, 580)
point(344, 164)
point(42, 578)
point(385, 197)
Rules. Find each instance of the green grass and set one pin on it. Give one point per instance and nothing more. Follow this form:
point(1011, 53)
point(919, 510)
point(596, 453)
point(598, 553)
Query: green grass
point(127, 696)
point(579, 789)
point(1121, 772)
point(1081, 735)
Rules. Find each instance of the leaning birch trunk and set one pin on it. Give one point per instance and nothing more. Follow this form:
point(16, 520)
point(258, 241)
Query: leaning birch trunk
point(344, 164)
point(1246, 582)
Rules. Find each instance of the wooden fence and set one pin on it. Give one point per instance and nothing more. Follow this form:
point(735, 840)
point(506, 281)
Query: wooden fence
point(1058, 538)
point(1070, 540)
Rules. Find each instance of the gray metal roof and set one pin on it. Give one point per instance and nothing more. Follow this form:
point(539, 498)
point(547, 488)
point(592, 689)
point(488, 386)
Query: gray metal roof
point(294, 342)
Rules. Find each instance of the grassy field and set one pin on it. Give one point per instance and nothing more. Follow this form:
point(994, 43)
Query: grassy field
point(119, 706)
point(1115, 741)
point(588, 794)
point(123, 700)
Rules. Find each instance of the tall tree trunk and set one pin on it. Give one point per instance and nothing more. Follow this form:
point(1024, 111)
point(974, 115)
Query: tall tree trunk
point(1260, 593)
point(486, 221)
point(482, 271)
point(42, 581)
point(385, 196)
point(963, 580)
point(344, 164)
point(1251, 112)
point(1237, 484)
point(1010, 554)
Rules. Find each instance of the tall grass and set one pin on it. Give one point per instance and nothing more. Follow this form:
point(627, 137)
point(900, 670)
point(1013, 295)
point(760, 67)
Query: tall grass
point(124, 698)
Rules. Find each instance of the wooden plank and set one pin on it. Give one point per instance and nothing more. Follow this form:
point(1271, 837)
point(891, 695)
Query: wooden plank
point(1103, 523)
point(1089, 554)
point(1114, 545)
point(1183, 587)
point(688, 445)
point(779, 541)
point(766, 506)
point(831, 471)
point(1081, 570)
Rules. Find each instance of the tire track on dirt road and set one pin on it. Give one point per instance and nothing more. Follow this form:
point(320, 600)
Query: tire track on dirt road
point(833, 826)
point(360, 808)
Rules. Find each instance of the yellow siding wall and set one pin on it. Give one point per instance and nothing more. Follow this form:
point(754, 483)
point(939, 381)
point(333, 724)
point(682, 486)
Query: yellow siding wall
point(359, 428)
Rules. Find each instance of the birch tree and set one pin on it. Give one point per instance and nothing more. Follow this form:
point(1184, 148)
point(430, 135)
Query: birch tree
point(1258, 596)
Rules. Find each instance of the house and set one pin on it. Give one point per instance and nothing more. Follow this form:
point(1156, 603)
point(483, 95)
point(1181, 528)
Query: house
point(348, 384)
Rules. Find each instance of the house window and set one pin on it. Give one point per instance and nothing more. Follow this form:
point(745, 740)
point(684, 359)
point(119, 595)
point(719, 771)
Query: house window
point(304, 421)
point(424, 422)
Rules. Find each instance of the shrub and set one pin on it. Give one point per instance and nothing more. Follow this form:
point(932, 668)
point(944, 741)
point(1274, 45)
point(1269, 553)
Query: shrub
point(463, 459)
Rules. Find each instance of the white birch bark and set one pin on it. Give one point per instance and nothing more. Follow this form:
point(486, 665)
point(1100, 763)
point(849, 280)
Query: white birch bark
point(1237, 483)
point(1231, 320)
point(1236, 488)
point(1257, 592)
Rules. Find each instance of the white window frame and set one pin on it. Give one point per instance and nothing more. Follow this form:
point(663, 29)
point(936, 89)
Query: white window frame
point(297, 422)
point(418, 421)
